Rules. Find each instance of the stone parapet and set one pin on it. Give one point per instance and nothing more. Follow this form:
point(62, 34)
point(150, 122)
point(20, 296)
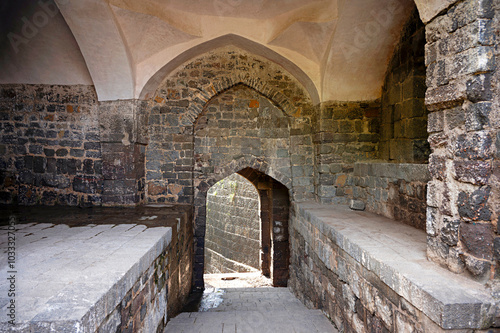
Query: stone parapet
point(110, 270)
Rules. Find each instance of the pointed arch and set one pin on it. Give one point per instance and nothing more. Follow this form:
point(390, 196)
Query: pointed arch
point(275, 206)
point(243, 43)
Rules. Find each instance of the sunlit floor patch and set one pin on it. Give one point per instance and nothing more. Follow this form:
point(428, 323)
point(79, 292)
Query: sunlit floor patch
point(237, 280)
point(211, 299)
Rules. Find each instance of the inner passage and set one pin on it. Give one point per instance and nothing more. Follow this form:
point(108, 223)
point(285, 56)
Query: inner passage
point(232, 239)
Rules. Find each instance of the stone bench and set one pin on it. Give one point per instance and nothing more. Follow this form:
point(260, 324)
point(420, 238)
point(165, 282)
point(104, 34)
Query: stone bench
point(375, 266)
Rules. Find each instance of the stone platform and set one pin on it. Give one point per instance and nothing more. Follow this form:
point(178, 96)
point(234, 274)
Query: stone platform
point(377, 274)
point(81, 270)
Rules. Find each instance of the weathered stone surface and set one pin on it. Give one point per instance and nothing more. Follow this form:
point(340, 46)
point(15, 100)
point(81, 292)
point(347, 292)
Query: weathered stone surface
point(475, 172)
point(240, 124)
point(477, 116)
point(449, 232)
point(437, 167)
point(435, 122)
point(460, 66)
point(393, 190)
point(129, 262)
point(478, 268)
point(474, 206)
point(477, 146)
point(87, 184)
point(477, 239)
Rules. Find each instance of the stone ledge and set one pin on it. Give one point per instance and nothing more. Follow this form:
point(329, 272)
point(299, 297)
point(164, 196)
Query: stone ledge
point(70, 279)
point(396, 253)
point(407, 171)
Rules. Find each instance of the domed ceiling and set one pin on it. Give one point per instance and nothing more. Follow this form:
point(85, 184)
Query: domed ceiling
point(339, 49)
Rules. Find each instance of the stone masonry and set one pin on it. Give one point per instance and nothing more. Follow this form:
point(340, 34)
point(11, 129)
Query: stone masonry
point(232, 239)
point(366, 280)
point(50, 146)
point(354, 141)
point(403, 127)
point(345, 133)
point(397, 191)
point(180, 102)
point(426, 152)
point(462, 98)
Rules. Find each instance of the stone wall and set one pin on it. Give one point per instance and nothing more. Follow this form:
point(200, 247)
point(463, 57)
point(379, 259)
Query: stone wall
point(162, 290)
point(181, 100)
point(403, 130)
point(355, 140)
point(241, 124)
point(232, 239)
point(124, 139)
point(462, 81)
point(345, 133)
point(144, 307)
point(494, 127)
point(397, 191)
point(50, 145)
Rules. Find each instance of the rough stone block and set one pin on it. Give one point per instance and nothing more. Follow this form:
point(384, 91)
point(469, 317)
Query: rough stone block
point(477, 239)
point(473, 205)
point(357, 205)
point(437, 167)
point(87, 184)
point(477, 116)
point(474, 147)
point(479, 88)
point(454, 118)
point(435, 121)
point(478, 268)
point(444, 97)
point(475, 172)
point(449, 232)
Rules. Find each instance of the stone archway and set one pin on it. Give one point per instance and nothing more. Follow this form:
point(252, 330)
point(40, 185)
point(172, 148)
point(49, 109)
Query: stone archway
point(178, 171)
point(242, 131)
point(274, 215)
point(274, 237)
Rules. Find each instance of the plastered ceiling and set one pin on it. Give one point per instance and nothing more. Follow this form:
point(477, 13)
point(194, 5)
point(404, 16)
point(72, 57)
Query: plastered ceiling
point(339, 49)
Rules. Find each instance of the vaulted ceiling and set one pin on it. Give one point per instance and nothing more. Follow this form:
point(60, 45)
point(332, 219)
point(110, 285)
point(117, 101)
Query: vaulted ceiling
point(339, 49)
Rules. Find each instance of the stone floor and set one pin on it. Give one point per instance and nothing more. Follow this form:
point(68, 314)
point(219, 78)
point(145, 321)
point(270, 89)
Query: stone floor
point(259, 310)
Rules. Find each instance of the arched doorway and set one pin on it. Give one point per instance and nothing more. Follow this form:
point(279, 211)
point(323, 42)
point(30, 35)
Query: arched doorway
point(272, 239)
point(241, 131)
point(274, 215)
point(203, 132)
